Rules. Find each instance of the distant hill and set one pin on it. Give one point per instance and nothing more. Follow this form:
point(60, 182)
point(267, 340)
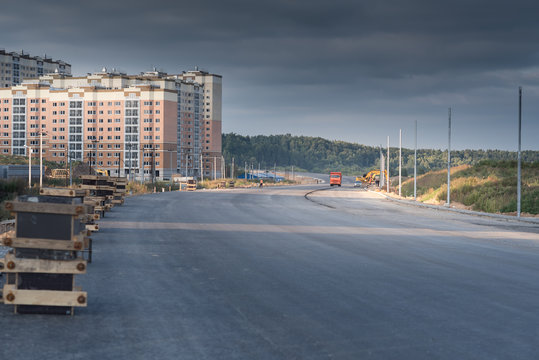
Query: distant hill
point(316, 154)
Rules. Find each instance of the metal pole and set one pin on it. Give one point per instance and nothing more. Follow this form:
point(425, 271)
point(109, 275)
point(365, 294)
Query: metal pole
point(40, 159)
point(519, 148)
point(232, 169)
point(201, 169)
point(29, 167)
point(245, 175)
point(387, 165)
point(275, 172)
point(400, 160)
point(90, 170)
point(382, 168)
point(153, 165)
point(293, 177)
point(142, 179)
point(67, 159)
point(70, 172)
point(214, 167)
point(449, 161)
point(130, 163)
point(415, 163)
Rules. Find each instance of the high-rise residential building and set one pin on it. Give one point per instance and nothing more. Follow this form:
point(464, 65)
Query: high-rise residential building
point(152, 124)
point(14, 67)
point(211, 118)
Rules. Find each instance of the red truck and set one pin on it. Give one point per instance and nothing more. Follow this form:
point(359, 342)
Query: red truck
point(335, 178)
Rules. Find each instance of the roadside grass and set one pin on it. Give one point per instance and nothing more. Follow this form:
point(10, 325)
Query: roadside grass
point(489, 186)
point(239, 183)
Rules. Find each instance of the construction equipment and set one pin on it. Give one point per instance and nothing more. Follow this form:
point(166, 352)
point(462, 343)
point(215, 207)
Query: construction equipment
point(59, 173)
point(101, 172)
point(372, 177)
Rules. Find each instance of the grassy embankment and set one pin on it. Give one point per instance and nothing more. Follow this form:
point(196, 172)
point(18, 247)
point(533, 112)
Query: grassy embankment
point(489, 186)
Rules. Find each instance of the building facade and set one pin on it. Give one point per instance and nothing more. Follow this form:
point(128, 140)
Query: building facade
point(14, 67)
point(210, 120)
point(149, 124)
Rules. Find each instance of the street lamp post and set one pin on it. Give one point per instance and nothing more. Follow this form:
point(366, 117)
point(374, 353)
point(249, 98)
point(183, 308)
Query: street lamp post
point(70, 171)
point(41, 158)
point(29, 166)
point(94, 147)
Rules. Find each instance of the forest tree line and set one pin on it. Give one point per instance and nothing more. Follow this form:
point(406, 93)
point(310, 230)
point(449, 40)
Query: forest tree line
point(319, 155)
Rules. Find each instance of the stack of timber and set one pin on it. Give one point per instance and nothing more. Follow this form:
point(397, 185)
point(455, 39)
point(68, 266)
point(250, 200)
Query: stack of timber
point(120, 184)
point(100, 189)
point(91, 216)
point(48, 246)
point(191, 185)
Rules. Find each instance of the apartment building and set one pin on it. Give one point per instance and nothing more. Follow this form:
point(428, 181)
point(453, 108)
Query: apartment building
point(14, 67)
point(210, 120)
point(147, 124)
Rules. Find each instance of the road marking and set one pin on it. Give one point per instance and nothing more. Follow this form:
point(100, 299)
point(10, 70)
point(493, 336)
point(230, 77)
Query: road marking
point(336, 230)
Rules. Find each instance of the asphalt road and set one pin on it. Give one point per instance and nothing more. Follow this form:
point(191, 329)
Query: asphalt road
point(268, 274)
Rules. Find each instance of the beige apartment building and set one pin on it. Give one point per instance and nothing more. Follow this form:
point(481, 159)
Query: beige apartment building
point(151, 124)
point(211, 119)
point(14, 67)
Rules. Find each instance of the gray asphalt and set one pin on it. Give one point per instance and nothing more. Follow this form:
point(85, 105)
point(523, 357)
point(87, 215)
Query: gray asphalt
point(268, 274)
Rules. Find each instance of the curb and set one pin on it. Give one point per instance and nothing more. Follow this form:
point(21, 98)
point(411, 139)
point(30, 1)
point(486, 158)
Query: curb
point(460, 211)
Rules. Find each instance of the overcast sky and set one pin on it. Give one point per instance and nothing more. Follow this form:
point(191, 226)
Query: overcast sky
point(343, 70)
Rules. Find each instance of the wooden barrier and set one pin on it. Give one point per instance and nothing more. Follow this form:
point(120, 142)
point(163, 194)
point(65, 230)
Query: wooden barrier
point(48, 245)
point(91, 217)
point(111, 189)
point(191, 185)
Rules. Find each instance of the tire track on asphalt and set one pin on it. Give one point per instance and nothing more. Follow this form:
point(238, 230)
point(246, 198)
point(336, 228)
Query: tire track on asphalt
point(306, 196)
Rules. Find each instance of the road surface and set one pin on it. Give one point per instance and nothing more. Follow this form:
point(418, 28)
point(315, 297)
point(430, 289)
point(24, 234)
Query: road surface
point(268, 274)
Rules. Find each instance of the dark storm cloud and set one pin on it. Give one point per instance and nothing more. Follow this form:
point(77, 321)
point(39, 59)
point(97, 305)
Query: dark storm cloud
point(290, 63)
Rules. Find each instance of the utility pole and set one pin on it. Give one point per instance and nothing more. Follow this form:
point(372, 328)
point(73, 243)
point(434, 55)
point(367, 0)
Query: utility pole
point(232, 169)
point(153, 165)
point(70, 172)
point(29, 167)
point(400, 160)
point(293, 177)
point(245, 174)
point(449, 161)
point(40, 159)
point(130, 162)
point(415, 163)
point(214, 167)
point(388, 165)
point(170, 163)
point(382, 168)
point(67, 159)
point(201, 169)
point(143, 170)
point(275, 172)
point(119, 162)
point(519, 174)
point(90, 169)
